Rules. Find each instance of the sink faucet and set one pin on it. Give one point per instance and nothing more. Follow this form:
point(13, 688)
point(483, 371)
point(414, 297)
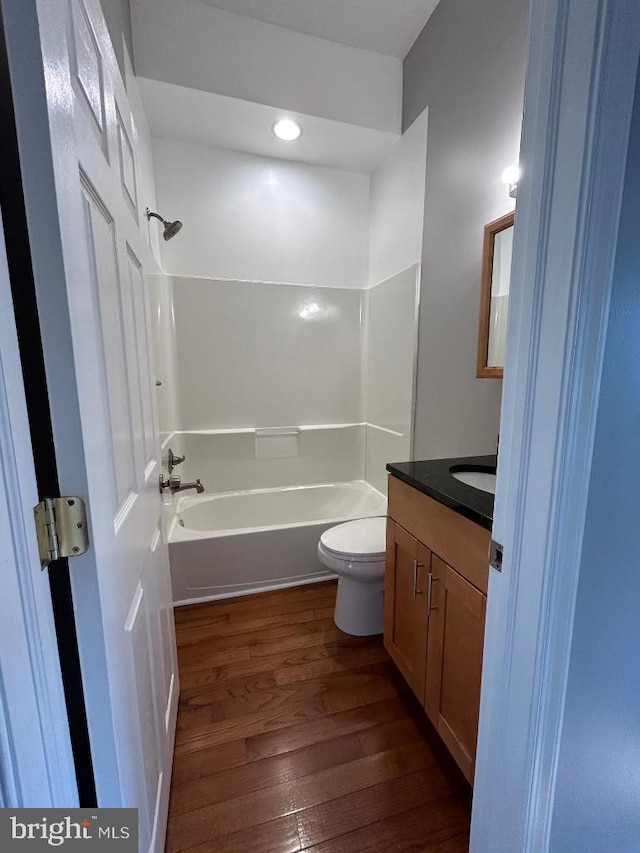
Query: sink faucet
point(174, 485)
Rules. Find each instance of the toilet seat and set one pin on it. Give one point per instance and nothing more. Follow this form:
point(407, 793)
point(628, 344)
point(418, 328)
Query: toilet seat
point(362, 540)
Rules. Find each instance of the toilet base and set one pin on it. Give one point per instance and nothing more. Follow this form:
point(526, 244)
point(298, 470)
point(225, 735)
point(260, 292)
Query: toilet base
point(360, 607)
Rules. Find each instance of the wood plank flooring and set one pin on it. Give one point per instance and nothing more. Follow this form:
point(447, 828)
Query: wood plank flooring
point(293, 737)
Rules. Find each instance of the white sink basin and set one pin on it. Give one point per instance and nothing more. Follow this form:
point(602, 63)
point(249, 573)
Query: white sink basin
point(478, 479)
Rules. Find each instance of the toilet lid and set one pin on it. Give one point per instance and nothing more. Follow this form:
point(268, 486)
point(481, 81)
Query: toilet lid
point(363, 539)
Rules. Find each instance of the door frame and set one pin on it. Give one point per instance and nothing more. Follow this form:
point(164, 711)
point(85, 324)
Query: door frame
point(38, 767)
point(579, 95)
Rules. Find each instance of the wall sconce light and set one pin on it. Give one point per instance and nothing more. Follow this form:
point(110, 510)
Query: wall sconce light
point(510, 177)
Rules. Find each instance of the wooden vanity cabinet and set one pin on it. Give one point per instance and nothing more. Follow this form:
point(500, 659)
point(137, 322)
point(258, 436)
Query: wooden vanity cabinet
point(435, 604)
point(454, 662)
point(405, 612)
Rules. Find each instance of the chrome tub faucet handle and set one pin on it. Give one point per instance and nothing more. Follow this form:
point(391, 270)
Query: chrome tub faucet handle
point(173, 460)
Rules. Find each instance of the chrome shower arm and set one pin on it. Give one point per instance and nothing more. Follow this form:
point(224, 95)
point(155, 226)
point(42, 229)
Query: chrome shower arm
point(150, 213)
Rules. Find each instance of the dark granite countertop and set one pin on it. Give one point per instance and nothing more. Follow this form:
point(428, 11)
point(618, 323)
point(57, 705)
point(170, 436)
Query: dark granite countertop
point(433, 478)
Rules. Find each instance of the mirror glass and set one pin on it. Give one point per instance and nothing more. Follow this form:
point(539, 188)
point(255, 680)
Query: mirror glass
point(494, 297)
point(499, 308)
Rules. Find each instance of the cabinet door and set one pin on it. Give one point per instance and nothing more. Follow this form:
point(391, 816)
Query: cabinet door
point(405, 610)
point(454, 662)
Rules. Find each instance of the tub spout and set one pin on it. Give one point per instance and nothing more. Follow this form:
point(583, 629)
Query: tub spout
point(174, 484)
point(197, 486)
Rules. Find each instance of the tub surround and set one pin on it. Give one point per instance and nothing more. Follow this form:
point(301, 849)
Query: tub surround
point(339, 360)
point(389, 355)
point(258, 354)
point(433, 477)
point(226, 460)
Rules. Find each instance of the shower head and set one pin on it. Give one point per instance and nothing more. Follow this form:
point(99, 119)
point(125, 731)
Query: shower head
point(170, 228)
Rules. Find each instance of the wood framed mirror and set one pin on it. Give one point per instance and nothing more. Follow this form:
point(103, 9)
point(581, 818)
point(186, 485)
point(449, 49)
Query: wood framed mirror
point(494, 297)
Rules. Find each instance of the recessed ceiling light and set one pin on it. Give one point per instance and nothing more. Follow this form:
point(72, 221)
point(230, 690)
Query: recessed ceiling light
point(287, 129)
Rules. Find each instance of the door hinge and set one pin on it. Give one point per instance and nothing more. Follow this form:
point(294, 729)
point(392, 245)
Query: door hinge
point(496, 552)
point(61, 525)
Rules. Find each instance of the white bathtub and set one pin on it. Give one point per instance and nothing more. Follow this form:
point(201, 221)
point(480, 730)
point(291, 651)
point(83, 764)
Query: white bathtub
point(242, 542)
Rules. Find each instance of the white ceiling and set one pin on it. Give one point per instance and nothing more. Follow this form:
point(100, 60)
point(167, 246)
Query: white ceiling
point(176, 112)
point(383, 26)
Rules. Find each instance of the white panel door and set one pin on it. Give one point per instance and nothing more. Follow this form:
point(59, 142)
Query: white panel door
point(106, 259)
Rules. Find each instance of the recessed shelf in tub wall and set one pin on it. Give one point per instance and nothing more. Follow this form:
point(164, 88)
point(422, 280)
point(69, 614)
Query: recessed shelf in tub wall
point(277, 442)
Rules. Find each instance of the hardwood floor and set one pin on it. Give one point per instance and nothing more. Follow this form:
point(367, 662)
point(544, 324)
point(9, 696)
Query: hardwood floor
point(293, 736)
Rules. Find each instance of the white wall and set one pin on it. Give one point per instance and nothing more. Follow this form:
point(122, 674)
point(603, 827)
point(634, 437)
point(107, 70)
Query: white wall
point(397, 204)
point(217, 121)
point(117, 14)
point(468, 66)
point(189, 43)
point(259, 354)
point(143, 155)
point(261, 219)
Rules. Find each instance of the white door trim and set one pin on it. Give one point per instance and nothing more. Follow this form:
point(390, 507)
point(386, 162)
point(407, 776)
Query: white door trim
point(37, 763)
point(578, 103)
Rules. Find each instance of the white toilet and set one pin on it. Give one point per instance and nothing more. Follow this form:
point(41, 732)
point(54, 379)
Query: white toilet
point(355, 551)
